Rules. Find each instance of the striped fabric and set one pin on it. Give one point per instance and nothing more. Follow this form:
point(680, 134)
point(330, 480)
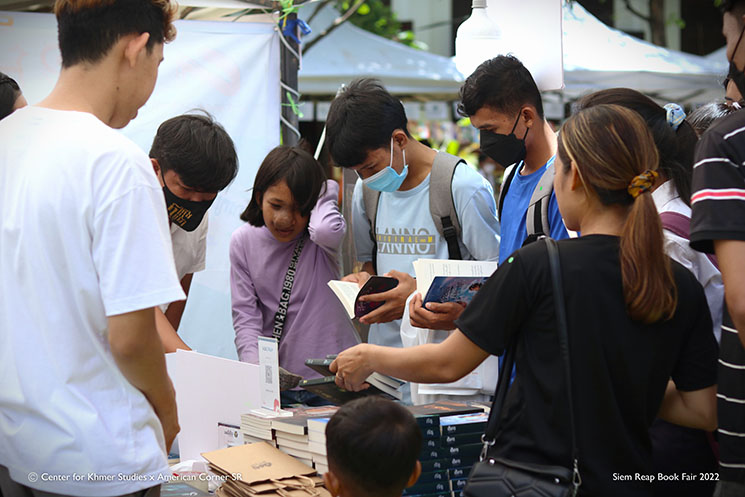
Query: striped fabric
point(718, 204)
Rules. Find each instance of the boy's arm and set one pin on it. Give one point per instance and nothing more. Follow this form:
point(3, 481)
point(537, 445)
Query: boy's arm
point(176, 309)
point(169, 337)
point(138, 354)
point(731, 257)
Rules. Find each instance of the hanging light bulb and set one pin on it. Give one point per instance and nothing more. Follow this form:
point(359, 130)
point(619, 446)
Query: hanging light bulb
point(478, 38)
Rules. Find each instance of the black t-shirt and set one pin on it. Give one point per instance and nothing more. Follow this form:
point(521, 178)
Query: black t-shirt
point(718, 204)
point(620, 368)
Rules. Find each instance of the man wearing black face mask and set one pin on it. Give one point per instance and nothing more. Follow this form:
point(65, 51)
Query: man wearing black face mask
point(193, 158)
point(503, 102)
point(718, 226)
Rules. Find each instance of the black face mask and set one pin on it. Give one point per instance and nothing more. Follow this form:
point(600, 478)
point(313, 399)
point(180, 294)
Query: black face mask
point(504, 149)
point(186, 214)
point(735, 74)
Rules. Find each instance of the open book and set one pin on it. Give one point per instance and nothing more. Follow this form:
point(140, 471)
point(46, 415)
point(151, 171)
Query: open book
point(441, 280)
point(349, 293)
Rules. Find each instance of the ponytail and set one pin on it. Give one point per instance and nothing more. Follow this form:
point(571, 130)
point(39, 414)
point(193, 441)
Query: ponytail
point(648, 285)
point(616, 157)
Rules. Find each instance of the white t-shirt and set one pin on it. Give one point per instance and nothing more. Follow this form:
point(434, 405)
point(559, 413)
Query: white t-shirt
point(189, 248)
point(667, 199)
point(84, 236)
point(406, 232)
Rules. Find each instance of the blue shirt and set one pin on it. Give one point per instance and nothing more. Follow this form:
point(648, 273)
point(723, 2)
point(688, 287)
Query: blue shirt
point(515, 208)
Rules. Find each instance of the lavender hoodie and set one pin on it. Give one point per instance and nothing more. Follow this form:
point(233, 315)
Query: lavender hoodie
point(316, 324)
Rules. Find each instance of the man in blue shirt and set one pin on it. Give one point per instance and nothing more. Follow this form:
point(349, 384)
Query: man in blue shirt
point(503, 102)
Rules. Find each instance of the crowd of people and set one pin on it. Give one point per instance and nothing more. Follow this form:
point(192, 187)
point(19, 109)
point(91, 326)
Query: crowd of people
point(100, 241)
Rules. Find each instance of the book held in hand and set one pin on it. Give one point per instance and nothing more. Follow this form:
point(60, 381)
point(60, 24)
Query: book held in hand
point(440, 280)
point(387, 384)
point(349, 294)
point(326, 387)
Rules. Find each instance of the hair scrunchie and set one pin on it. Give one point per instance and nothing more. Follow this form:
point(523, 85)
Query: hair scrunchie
point(642, 183)
point(675, 115)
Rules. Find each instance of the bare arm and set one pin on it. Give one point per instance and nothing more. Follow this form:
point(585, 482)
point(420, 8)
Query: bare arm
point(167, 333)
point(176, 309)
point(430, 363)
point(731, 256)
point(696, 409)
point(138, 353)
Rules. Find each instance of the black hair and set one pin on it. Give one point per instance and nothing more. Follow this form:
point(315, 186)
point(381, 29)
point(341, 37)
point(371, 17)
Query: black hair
point(676, 148)
point(704, 116)
point(88, 29)
point(362, 118)
point(373, 444)
point(9, 93)
point(198, 149)
point(503, 84)
point(303, 174)
point(732, 5)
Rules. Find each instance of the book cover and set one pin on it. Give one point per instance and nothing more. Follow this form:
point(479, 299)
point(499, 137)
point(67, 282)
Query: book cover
point(427, 488)
point(427, 270)
point(433, 476)
point(444, 408)
point(427, 454)
point(326, 388)
point(459, 289)
point(464, 423)
point(461, 461)
point(349, 293)
point(381, 381)
point(465, 451)
point(298, 423)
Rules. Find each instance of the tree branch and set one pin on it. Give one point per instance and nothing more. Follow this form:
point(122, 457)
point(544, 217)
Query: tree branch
point(318, 8)
point(637, 13)
point(337, 22)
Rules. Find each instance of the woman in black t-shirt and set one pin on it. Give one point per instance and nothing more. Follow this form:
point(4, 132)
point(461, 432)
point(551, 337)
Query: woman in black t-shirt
point(635, 318)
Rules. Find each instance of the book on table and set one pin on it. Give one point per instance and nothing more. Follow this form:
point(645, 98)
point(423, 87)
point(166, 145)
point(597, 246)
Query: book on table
point(326, 388)
point(440, 280)
point(384, 383)
point(349, 294)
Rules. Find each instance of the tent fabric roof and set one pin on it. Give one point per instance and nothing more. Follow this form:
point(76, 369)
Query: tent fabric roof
point(350, 52)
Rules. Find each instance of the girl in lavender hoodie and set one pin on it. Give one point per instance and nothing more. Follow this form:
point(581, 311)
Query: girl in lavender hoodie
point(293, 209)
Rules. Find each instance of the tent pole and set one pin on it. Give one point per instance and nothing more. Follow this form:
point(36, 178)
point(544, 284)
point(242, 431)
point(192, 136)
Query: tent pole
point(289, 66)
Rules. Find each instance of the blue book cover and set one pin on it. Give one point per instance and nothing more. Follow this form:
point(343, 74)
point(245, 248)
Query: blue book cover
point(459, 289)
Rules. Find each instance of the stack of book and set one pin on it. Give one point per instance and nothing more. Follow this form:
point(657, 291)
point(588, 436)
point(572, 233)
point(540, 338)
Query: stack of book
point(257, 427)
point(440, 464)
point(291, 433)
point(317, 443)
point(461, 442)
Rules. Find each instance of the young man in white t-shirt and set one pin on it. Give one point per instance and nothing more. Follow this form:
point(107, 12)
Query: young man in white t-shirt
point(86, 405)
point(193, 158)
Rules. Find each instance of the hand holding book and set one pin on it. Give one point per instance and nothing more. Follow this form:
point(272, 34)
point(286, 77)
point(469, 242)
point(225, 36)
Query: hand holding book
point(395, 300)
point(351, 368)
point(434, 315)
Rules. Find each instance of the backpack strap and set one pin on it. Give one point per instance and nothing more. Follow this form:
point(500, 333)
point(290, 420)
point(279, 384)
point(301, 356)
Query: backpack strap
point(441, 203)
point(509, 173)
point(680, 224)
point(370, 199)
point(536, 219)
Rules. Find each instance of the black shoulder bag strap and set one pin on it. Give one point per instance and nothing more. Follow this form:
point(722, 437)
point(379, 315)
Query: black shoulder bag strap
point(504, 373)
point(284, 298)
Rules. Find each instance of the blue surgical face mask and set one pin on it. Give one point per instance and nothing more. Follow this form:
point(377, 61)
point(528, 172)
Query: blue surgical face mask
point(388, 180)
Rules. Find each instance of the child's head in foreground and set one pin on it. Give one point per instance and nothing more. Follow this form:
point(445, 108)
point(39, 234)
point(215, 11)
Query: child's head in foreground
point(372, 446)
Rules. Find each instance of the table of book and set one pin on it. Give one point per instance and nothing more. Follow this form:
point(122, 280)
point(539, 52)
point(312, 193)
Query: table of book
point(451, 433)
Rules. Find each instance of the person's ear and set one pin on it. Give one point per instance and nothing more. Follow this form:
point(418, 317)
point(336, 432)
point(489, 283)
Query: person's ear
point(133, 47)
point(529, 115)
point(414, 474)
point(574, 177)
point(332, 483)
point(157, 169)
point(399, 136)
